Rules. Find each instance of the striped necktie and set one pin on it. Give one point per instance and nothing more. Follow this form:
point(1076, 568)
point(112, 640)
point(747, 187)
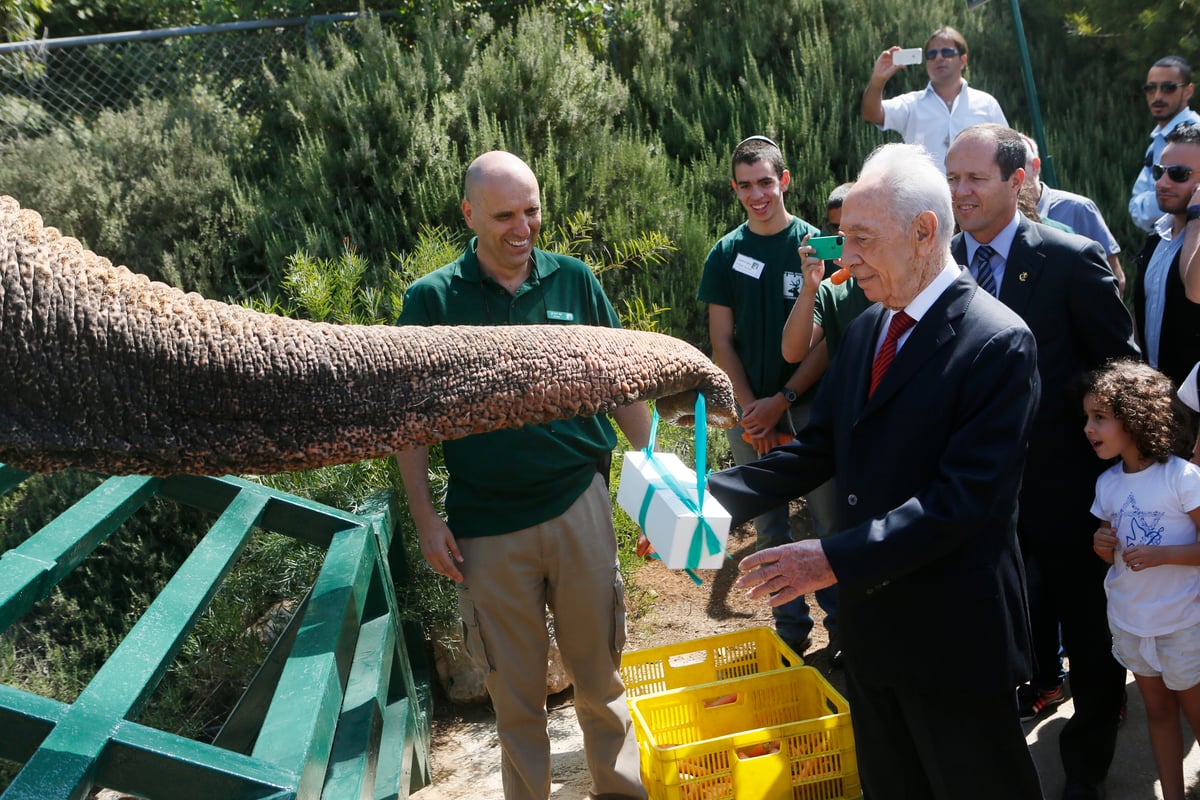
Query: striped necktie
point(981, 267)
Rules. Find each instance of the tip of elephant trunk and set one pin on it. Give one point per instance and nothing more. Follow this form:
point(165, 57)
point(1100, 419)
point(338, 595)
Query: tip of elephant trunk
point(680, 409)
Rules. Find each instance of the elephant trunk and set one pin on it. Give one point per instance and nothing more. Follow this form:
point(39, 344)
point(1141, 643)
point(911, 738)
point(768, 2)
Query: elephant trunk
point(111, 372)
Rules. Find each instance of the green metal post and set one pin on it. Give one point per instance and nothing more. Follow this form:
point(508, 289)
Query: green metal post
point(1035, 112)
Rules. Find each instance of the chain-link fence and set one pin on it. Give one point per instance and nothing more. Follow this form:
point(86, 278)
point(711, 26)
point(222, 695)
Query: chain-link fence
point(48, 82)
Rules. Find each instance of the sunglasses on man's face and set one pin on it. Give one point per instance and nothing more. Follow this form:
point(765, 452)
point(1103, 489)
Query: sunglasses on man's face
point(1176, 172)
point(945, 52)
point(1166, 87)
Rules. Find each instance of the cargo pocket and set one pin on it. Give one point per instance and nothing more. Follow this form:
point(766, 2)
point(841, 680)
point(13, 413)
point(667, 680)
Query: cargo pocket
point(473, 639)
point(618, 625)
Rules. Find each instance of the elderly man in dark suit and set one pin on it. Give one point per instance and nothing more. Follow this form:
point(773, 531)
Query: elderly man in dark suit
point(922, 420)
point(1062, 287)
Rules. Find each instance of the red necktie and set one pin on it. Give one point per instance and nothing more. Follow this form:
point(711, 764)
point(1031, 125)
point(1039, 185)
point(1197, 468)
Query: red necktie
point(887, 352)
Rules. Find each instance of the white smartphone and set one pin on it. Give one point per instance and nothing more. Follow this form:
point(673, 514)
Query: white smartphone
point(907, 56)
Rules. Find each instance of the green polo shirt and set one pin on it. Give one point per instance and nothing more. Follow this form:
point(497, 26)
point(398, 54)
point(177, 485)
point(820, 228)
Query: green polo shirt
point(759, 278)
point(508, 480)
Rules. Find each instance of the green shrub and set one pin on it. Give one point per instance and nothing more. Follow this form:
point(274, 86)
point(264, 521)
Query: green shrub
point(541, 89)
point(359, 150)
point(21, 117)
point(152, 188)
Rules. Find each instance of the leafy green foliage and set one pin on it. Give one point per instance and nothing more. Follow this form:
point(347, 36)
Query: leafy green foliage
point(82, 17)
point(566, 96)
point(153, 188)
point(371, 139)
point(334, 290)
point(360, 152)
point(1131, 36)
point(20, 18)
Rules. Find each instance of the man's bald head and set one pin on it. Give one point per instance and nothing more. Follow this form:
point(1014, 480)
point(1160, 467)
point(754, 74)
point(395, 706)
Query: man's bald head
point(502, 204)
point(496, 166)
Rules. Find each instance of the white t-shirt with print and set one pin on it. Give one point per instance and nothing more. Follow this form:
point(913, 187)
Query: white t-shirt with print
point(1151, 508)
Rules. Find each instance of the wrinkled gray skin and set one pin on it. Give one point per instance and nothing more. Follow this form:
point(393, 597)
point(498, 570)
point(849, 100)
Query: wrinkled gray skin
point(111, 372)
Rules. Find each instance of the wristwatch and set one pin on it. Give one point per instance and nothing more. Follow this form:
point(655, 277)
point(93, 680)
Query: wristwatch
point(1193, 212)
point(790, 395)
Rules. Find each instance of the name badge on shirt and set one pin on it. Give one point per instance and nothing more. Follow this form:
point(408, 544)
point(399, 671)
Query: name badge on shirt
point(748, 266)
point(562, 316)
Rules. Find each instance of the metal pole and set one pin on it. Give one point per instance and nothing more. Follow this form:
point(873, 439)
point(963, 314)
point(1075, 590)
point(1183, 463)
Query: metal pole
point(1035, 113)
point(191, 30)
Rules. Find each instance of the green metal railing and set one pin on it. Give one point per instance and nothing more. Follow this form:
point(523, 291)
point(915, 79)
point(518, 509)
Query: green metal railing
point(339, 709)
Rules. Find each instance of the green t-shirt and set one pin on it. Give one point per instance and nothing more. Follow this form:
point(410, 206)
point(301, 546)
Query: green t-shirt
point(758, 277)
point(1053, 223)
point(835, 307)
point(508, 480)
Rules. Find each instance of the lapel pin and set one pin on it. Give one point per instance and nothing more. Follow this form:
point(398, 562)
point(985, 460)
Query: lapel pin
point(1023, 277)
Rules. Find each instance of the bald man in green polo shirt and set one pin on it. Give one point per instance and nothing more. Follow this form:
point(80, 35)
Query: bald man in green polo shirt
point(528, 518)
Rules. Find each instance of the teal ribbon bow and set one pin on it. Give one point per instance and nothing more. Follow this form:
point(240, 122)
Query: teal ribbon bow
point(704, 539)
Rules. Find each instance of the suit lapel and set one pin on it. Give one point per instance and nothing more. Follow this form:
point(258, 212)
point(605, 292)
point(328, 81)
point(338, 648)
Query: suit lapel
point(958, 249)
point(1023, 268)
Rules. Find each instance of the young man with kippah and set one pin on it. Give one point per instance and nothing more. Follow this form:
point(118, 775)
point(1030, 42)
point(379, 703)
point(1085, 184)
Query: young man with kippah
point(751, 279)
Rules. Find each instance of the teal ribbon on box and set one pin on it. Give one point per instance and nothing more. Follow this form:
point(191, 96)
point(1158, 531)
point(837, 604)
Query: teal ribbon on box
point(704, 539)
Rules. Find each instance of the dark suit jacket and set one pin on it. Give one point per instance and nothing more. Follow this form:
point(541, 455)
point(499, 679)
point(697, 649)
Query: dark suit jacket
point(1065, 291)
point(928, 469)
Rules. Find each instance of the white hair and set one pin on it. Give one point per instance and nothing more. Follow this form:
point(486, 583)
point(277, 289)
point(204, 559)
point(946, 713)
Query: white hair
point(915, 185)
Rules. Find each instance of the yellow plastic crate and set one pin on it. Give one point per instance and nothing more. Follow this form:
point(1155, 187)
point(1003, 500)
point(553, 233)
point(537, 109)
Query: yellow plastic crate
point(782, 735)
point(725, 656)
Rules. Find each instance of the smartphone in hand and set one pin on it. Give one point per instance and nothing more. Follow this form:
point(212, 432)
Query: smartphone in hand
point(827, 248)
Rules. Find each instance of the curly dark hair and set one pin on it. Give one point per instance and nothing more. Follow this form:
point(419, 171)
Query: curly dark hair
point(1144, 401)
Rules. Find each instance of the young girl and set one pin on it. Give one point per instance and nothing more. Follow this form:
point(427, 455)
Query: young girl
point(1149, 504)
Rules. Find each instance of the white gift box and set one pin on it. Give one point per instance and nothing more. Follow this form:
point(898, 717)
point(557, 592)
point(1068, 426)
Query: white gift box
point(670, 523)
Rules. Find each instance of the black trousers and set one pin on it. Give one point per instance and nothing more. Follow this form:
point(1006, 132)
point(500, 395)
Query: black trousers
point(925, 745)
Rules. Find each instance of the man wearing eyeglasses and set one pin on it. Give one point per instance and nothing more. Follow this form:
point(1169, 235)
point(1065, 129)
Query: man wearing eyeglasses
point(933, 116)
point(1168, 322)
point(1168, 91)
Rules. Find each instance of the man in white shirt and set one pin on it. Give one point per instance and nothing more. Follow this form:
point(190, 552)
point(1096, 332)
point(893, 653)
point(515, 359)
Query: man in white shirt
point(1168, 91)
point(933, 116)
